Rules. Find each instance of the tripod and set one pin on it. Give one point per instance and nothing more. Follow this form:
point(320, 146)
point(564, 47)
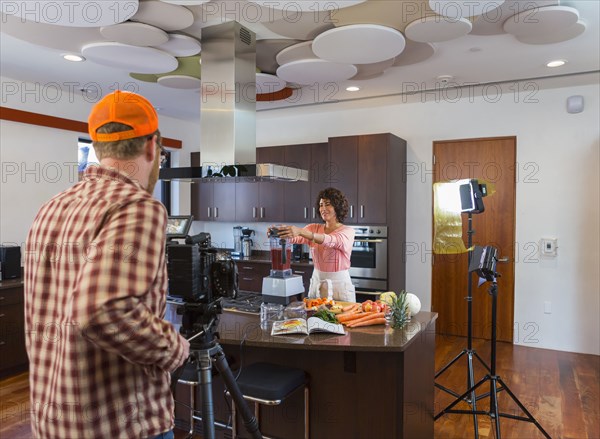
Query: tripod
point(494, 380)
point(204, 351)
point(468, 397)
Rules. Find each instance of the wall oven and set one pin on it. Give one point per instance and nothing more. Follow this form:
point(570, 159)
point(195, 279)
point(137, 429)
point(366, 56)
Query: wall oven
point(369, 270)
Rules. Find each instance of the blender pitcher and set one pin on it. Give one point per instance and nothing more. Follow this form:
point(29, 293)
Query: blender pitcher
point(281, 254)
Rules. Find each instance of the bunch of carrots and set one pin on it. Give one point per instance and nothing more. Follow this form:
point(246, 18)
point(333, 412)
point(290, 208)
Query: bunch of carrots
point(354, 317)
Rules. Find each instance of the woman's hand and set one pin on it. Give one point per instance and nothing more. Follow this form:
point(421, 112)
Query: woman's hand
point(289, 232)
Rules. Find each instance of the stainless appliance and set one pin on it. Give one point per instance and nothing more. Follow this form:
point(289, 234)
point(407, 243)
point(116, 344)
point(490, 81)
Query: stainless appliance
point(247, 242)
point(237, 242)
point(369, 268)
point(281, 286)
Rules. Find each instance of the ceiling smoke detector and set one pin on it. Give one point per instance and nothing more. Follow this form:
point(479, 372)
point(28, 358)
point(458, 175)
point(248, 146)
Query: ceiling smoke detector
point(444, 80)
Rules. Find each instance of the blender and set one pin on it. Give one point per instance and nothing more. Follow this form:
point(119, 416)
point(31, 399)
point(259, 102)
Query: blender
point(281, 286)
point(237, 242)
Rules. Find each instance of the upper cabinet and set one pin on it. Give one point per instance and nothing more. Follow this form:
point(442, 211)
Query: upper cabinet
point(362, 168)
point(257, 200)
point(213, 199)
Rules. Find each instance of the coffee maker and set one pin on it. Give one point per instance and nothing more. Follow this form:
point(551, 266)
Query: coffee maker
point(281, 286)
point(247, 242)
point(237, 242)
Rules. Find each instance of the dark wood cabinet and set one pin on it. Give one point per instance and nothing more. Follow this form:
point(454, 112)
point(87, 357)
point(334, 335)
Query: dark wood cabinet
point(213, 199)
point(259, 200)
point(305, 271)
point(251, 275)
point(361, 167)
point(12, 330)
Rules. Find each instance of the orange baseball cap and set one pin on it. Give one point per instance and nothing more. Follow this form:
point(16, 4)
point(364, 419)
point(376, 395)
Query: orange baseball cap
point(124, 107)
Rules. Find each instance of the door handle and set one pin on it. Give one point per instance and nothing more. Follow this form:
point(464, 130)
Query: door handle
point(505, 259)
point(262, 212)
point(306, 213)
point(351, 211)
point(208, 212)
point(254, 212)
point(362, 211)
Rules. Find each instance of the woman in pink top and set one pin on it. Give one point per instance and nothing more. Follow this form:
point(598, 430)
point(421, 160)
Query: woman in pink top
point(330, 244)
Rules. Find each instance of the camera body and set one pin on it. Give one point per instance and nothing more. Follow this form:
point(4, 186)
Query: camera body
point(196, 274)
point(483, 262)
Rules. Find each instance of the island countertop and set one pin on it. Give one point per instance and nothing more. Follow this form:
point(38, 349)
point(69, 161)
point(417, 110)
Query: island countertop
point(234, 327)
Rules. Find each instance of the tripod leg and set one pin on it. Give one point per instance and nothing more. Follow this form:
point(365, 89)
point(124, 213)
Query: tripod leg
point(522, 407)
point(205, 380)
point(250, 421)
point(473, 401)
point(494, 406)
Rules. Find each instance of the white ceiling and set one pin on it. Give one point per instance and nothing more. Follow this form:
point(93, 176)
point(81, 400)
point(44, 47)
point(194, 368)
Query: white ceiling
point(32, 51)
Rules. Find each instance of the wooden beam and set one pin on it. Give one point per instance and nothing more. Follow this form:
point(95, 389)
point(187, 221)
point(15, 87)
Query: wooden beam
point(60, 123)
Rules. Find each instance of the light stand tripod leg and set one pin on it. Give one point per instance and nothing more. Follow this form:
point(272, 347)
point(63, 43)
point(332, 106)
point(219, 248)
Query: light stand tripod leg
point(250, 421)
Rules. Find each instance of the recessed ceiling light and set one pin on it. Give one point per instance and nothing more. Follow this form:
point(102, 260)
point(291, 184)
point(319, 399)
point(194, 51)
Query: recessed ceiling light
point(556, 63)
point(73, 57)
point(353, 88)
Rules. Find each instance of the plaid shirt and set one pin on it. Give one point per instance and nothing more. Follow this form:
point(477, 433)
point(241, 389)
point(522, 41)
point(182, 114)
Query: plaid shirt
point(95, 282)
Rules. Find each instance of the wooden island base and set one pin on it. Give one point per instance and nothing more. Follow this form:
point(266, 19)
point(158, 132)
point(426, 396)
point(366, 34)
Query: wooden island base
point(373, 382)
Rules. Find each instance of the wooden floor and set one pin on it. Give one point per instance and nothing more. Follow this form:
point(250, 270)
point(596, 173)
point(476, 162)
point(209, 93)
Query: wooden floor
point(560, 389)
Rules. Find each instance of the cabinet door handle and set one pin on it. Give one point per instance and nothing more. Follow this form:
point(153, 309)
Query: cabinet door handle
point(208, 212)
point(362, 211)
point(2, 343)
point(262, 212)
point(314, 212)
point(1, 298)
point(254, 212)
point(216, 212)
point(352, 211)
point(305, 212)
point(299, 272)
point(247, 278)
point(247, 268)
point(2, 315)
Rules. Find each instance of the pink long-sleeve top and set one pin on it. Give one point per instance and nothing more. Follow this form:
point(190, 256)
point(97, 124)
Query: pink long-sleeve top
point(334, 253)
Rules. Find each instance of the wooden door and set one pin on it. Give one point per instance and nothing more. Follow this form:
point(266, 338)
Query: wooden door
point(343, 157)
point(372, 179)
point(492, 160)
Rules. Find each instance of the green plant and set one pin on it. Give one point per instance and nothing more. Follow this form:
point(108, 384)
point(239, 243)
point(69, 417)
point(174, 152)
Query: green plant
point(399, 310)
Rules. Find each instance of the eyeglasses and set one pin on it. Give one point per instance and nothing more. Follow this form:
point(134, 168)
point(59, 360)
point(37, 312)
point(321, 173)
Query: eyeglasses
point(163, 152)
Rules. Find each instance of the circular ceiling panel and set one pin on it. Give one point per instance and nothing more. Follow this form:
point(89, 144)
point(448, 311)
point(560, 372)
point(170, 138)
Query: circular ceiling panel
point(135, 34)
point(359, 44)
point(558, 36)
point(267, 50)
point(266, 83)
point(297, 51)
point(539, 21)
point(414, 53)
point(180, 81)
point(180, 45)
point(164, 15)
point(309, 6)
point(311, 71)
point(306, 26)
point(186, 2)
point(130, 58)
point(79, 13)
point(464, 8)
point(433, 29)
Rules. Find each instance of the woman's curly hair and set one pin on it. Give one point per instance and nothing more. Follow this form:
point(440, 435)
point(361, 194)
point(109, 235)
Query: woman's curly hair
point(338, 201)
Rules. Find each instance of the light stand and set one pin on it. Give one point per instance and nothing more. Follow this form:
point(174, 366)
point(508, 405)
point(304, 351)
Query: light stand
point(468, 397)
point(494, 380)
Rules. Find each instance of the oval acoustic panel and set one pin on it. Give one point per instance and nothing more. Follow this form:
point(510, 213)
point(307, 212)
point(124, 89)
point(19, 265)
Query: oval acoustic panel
point(180, 45)
point(307, 5)
point(434, 29)
point(315, 71)
point(135, 34)
point(130, 58)
point(180, 81)
point(164, 15)
point(359, 44)
point(464, 8)
point(538, 21)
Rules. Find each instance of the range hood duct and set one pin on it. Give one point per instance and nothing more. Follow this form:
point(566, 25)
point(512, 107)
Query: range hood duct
point(228, 108)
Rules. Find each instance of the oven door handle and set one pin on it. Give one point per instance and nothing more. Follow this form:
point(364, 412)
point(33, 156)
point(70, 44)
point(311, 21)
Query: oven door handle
point(376, 241)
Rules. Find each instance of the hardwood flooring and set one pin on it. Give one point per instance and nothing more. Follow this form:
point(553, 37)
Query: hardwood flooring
point(560, 389)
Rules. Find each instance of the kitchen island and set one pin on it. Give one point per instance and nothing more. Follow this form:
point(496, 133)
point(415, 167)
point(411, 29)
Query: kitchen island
point(373, 382)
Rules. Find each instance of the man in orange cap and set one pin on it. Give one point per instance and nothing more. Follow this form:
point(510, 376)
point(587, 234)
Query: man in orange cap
point(100, 351)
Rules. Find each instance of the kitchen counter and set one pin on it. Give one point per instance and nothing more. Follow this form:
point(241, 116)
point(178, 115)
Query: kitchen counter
point(373, 382)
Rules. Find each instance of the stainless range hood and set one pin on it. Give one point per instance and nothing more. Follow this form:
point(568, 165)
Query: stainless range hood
point(228, 109)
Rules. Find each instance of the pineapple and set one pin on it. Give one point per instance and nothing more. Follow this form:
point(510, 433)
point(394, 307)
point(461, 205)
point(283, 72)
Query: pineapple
point(399, 311)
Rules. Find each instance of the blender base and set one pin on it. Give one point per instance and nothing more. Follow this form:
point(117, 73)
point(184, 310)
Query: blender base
point(282, 290)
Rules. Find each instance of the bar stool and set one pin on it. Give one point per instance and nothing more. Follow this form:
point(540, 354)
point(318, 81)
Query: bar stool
point(271, 384)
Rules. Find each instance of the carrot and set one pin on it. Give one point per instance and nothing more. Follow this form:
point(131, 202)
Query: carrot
point(350, 307)
point(375, 321)
point(351, 312)
point(349, 317)
point(371, 316)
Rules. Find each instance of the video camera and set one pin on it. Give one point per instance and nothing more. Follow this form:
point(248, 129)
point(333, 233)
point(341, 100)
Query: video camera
point(197, 273)
point(483, 262)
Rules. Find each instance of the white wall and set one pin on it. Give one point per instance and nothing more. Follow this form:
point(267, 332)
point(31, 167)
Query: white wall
point(561, 199)
point(557, 190)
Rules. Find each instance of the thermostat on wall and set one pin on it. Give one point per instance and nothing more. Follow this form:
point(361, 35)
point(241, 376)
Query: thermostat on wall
point(549, 247)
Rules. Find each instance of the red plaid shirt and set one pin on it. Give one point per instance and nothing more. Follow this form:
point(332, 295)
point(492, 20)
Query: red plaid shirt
point(95, 281)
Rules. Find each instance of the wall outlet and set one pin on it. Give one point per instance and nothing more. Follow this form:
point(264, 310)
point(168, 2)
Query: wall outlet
point(547, 307)
point(549, 247)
